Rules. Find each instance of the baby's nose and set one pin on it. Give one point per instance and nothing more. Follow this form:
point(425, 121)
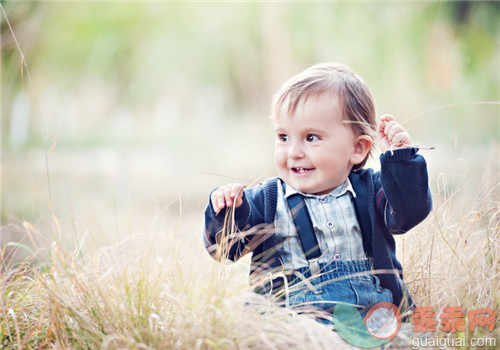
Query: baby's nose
point(296, 150)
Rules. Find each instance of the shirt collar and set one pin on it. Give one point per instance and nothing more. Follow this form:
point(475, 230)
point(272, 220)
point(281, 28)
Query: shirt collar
point(336, 192)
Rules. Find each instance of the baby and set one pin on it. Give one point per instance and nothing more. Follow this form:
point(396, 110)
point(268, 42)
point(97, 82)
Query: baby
point(322, 231)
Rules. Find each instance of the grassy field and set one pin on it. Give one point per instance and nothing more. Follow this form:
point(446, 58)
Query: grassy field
point(159, 289)
point(147, 292)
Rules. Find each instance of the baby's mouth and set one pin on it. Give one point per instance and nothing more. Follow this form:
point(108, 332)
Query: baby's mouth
point(302, 170)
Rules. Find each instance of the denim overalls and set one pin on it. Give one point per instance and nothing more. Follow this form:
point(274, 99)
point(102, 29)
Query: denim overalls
point(339, 281)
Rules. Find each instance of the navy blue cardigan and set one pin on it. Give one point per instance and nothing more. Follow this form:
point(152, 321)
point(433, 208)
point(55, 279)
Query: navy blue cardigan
point(388, 202)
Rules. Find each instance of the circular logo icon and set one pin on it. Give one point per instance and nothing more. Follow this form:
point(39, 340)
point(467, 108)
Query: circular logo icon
point(383, 320)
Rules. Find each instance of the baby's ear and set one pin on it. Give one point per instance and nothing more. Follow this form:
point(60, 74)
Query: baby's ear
point(361, 148)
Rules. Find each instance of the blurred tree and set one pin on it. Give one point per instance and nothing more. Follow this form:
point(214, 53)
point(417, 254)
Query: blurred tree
point(106, 61)
point(25, 20)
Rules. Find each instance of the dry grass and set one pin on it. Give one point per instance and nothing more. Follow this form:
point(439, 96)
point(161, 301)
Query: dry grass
point(453, 259)
point(141, 294)
point(158, 291)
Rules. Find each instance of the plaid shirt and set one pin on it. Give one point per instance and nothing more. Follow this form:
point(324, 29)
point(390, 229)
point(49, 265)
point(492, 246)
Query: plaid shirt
point(335, 225)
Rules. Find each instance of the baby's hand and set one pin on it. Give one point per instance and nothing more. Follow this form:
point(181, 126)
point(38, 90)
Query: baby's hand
point(391, 134)
point(226, 195)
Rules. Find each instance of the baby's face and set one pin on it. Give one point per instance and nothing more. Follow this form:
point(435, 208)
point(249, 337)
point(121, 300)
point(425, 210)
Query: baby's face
point(314, 148)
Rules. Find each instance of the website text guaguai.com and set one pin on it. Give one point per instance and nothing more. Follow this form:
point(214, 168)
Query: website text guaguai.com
point(444, 343)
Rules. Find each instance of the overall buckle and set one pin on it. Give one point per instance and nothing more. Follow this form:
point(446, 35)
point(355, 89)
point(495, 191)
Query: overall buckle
point(314, 266)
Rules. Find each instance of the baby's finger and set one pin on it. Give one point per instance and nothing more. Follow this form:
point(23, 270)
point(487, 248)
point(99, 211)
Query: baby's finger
point(237, 190)
point(401, 139)
point(234, 190)
point(386, 128)
point(384, 119)
point(218, 200)
point(237, 194)
point(392, 129)
point(228, 195)
point(387, 117)
point(381, 126)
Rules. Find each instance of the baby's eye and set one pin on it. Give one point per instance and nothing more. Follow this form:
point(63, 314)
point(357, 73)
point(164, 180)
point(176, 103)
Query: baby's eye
point(312, 138)
point(283, 138)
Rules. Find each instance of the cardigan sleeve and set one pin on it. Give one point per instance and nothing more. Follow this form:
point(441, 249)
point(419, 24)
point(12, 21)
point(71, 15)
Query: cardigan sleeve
point(404, 198)
point(226, 238)
point(221, 244)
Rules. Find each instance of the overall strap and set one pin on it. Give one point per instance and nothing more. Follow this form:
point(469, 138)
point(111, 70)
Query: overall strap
point(305, 230)
point(361, 207)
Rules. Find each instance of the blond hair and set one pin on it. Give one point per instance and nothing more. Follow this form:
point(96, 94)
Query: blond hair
point(355, 99)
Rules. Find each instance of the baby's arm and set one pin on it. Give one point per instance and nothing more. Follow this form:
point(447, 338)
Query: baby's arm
point(404, 199)
point(220, 243)
point(392, 135)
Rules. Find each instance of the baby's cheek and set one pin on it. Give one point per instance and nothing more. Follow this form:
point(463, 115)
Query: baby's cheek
point(280, 160)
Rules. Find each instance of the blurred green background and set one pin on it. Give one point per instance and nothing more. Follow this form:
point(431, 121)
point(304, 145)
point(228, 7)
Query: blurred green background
point(152, 104)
